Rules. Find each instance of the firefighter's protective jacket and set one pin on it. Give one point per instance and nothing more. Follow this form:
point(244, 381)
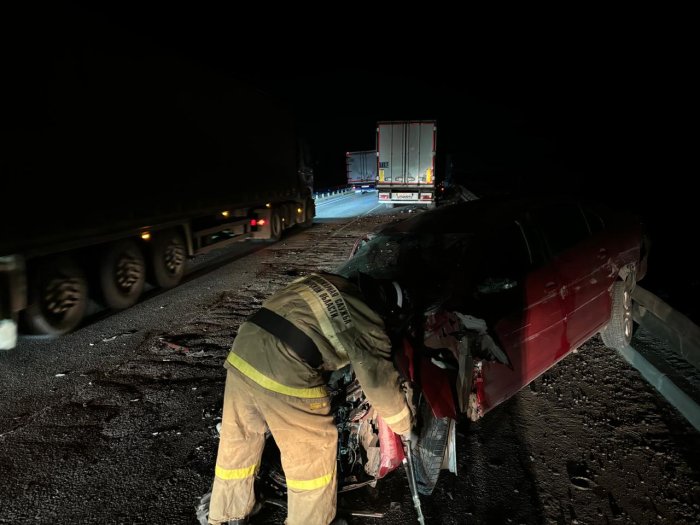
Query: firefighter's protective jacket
point(330, 310)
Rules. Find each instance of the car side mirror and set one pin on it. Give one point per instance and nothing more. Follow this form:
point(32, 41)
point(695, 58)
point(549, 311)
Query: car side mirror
point(492, 285)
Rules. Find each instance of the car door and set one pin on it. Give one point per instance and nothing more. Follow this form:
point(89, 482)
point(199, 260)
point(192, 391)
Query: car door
point(581, 261)
point(519, 297)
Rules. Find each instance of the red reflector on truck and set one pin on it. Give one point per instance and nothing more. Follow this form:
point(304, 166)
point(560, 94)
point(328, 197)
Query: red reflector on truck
point(253, 222)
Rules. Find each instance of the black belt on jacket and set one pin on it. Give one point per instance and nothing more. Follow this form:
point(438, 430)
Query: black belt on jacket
point(293, 337)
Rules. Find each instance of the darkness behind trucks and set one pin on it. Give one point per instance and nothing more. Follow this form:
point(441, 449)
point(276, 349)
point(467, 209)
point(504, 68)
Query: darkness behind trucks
point(113, 139)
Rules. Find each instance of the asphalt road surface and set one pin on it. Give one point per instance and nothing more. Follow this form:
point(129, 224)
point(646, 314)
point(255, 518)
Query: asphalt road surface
point(116, 423)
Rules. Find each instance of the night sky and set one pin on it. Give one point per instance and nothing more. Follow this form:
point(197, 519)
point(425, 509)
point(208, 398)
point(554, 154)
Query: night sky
point(603, 102)
point(598, 101)
point(601, 106)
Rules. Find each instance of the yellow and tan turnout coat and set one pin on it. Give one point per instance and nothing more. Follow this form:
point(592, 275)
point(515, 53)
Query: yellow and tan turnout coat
point(269, 387)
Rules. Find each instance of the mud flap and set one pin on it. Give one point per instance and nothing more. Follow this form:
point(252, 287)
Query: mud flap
point(264, 216)
point(8, 334)
point(13, 298)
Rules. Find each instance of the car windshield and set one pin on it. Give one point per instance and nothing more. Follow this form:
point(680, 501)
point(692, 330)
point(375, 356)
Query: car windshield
point(409, 257)
point(448, 257)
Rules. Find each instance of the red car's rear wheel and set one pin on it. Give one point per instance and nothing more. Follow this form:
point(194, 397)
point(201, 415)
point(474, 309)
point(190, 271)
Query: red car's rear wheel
point(618, 332)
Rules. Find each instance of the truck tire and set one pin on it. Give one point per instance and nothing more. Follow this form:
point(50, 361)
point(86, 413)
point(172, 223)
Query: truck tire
point(168, 255)
point(309, 213)
point(121, 274)
point(429, 451)
point(58, 296)
point(275, 225)
point(617, 334)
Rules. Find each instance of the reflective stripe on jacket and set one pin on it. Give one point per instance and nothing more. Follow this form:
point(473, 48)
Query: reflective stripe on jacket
point(330, 310)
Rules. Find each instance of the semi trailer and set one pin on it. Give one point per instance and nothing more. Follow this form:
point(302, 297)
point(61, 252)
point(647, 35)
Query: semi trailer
point(125, 160)
point(406, 157)
point(361, 170)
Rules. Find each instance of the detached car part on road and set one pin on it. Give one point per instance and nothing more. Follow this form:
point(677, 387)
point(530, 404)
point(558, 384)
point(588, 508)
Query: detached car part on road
point(506, 288)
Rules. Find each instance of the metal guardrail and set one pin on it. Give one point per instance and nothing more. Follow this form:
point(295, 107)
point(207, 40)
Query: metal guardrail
point(664, 385)
point(683, 338)
point(321, 195)
point(682, 334)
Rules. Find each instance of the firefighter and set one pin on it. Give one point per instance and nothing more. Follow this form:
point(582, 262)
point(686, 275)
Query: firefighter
point(275, 381)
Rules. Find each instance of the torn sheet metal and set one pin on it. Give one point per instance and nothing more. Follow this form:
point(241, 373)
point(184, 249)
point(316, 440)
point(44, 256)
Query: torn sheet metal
point(488, 345)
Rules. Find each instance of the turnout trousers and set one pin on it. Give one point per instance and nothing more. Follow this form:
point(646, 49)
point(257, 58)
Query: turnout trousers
point(306, 435)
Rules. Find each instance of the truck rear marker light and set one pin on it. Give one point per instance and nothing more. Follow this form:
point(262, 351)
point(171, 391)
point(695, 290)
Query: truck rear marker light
point(299, 210)
point(146, 236)
point(268, 205)
point(253, 222)
point(225, 213)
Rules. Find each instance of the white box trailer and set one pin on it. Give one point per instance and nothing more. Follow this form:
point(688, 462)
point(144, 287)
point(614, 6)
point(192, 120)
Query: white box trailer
point(406, 156)
point(361, 169)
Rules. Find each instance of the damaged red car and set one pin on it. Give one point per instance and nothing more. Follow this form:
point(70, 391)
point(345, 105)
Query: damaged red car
point(506, 289)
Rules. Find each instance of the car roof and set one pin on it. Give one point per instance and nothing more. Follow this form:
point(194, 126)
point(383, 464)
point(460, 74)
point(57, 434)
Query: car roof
point(464, 217)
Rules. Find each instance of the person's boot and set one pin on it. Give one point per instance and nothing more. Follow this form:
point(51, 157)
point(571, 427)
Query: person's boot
point(244, 521)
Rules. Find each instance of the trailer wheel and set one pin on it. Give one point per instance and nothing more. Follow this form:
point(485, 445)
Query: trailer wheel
point(309, 213)
point(58, 295)
point(275, 225)
point(122, 274)
point(617, 334)
point(167, 258)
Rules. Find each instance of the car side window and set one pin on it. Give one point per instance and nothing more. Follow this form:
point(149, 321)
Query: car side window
point(506, 257)
point(594, 220)
point(562, 226)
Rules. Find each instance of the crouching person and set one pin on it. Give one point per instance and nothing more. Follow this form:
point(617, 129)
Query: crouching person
point(276, 380)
